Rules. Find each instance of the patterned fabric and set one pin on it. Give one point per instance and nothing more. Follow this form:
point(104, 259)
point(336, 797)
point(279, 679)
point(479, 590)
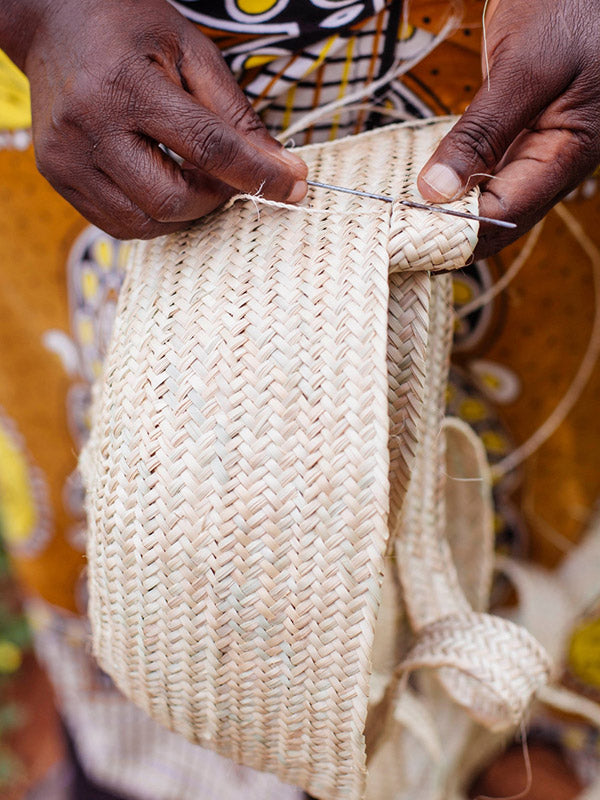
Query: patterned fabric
point(283, 25)
point(514, 357)
point(292, 56)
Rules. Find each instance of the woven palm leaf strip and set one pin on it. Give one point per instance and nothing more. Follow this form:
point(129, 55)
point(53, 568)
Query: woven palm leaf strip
point(269, 411)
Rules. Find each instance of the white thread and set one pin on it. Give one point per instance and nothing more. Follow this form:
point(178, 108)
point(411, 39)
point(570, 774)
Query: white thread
point(508, 276)
point(488, 175)
point(528, 773)
point(478, 479)
point(398, 68)
point(582, 376)
point(485, 48)
point(565, 700)
point(256, 199)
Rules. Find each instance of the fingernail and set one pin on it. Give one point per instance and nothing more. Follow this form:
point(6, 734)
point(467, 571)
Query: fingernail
point(443, 181)
point(298, 191)
point(294, 161)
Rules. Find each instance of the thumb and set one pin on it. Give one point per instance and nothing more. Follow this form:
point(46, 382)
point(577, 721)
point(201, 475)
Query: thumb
point(478, 141)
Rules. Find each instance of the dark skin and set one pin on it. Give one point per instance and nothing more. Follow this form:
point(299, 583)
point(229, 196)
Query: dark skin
point(111, 79)
point(537, 127)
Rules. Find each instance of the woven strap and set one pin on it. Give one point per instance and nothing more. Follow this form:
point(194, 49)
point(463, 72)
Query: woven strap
point(269, 411)
point(487, 664)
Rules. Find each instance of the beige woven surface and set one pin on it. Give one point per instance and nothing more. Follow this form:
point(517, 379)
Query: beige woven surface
point(270, 409)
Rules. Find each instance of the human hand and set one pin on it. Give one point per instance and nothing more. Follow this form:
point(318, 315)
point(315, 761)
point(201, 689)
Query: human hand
point(112, 80)
point(537, 128)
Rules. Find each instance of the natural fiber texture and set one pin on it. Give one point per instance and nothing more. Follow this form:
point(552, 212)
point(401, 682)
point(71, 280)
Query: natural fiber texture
point(119, 747)
point(270, 409)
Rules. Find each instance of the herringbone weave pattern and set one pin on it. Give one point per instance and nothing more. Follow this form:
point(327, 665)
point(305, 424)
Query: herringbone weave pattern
point(262, 408)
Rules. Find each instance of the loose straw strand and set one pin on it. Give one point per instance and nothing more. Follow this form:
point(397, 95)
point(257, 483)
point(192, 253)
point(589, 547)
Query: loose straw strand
point(567, 701)
point(528, 772)
point(485, 46)
point(398, 68)
point(258, 200)
point(573, 393)
point(509, 275)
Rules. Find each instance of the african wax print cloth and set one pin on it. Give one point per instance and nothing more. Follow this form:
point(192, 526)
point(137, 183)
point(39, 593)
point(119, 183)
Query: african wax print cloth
point(514, 358)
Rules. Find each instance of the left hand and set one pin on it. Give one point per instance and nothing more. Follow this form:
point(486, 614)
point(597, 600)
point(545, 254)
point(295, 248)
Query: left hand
point(537, 127)
point(109, 82)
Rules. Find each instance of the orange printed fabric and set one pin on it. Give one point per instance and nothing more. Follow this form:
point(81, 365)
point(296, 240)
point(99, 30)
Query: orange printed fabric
point(514, 357)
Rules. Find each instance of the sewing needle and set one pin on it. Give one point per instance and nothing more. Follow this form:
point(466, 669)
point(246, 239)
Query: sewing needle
point(412, 204)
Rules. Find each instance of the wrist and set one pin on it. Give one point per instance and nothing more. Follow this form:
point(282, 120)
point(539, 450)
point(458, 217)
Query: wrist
point(19, 21)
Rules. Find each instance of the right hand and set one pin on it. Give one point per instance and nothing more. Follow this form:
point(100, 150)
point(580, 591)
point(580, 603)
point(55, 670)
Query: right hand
point(110, 81)
point(535, 127)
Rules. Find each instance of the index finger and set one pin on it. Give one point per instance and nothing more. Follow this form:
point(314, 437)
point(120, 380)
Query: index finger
point(541, 168)
point(156, 184)
point(176, 119)
point(483, 134)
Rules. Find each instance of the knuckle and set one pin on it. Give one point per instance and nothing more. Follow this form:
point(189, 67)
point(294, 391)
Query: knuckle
point(586, 139)
point(123, 91)
point(80, 102)
point(479, 138)
point(89, 108)
point(242, 116)
point(139, 226)
point(159, 43)
point(202, 51)
point(167, 206)
point(69, 111)
point(210, 146)
point(50, 160)
point(122, 218)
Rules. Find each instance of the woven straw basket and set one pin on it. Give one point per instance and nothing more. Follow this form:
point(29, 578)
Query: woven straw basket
point(267, 437)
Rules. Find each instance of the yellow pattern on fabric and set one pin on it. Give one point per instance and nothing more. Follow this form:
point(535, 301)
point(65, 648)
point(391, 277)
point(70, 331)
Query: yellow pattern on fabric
point(89, 284)
point(17, 506)
point(15, 111)
point(322, 55)
point(259, 61)
point(343, 85)
point(289, 107)
point(255, 6)
point(10, 657)
point(584, 653)
point(405, 31)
